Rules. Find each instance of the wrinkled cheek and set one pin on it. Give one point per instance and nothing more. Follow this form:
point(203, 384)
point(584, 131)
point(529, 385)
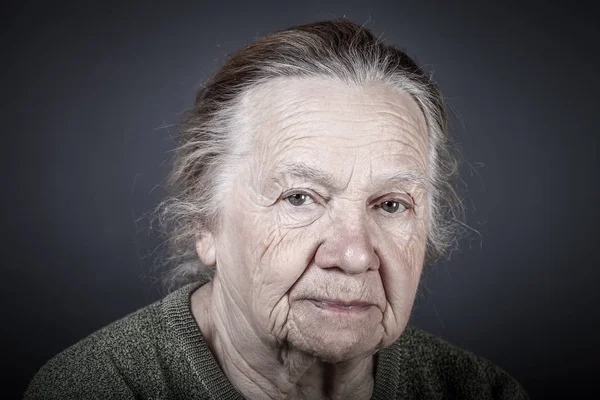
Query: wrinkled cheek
point(401, 279)
point(412, 260)
point(279, 264)
point(275, 258)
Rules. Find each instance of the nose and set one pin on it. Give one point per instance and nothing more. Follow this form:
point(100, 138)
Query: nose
point(348, 248)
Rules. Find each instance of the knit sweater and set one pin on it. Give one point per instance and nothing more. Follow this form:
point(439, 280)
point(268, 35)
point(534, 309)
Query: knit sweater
point(158, 353)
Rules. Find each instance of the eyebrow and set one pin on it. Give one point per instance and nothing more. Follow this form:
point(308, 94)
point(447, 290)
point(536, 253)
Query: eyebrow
point(303, 170)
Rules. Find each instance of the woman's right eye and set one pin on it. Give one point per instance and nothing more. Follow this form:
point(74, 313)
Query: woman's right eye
point(299, 199)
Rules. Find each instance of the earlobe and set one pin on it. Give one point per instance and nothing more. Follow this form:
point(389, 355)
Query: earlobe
point(206, 249)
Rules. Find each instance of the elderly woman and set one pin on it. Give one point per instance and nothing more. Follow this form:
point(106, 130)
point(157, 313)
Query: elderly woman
point(312, 182)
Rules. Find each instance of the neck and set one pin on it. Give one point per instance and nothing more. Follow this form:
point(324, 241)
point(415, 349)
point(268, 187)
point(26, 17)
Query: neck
point(262, 371)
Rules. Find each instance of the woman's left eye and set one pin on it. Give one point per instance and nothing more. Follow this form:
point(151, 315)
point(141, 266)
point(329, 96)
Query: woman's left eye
point(391, 206)
point(299, 199)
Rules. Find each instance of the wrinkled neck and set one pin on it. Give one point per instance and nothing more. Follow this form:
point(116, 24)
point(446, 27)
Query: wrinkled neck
point(351, 380)
point(260, 370)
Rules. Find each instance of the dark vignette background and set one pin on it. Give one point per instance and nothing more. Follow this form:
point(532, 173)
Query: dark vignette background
point(91, 93)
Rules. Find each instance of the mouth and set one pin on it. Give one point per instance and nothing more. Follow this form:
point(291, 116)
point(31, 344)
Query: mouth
point(341, 306)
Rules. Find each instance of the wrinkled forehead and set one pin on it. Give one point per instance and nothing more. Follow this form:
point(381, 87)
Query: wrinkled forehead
point(290, 115)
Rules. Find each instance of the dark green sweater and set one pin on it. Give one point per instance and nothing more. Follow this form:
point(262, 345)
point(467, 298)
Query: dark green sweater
point(158, 353)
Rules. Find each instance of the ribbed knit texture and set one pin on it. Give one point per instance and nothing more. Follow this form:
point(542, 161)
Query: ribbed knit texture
point(158, 353)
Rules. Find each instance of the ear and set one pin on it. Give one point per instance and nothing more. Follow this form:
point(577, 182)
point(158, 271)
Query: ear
point(206, 249)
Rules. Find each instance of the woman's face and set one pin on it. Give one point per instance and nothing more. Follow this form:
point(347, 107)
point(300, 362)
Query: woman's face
point(323, 231)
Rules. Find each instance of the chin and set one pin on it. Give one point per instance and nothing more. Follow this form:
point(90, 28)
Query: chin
point(340, 347)
point(335, 337)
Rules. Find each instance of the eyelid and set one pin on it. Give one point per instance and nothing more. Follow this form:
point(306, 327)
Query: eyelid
point(307, 192)
point(399, 197)
point(409, 205)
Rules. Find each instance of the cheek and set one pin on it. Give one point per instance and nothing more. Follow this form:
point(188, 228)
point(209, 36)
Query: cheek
point(280, 258)
point(405, 244)
point(400, 274)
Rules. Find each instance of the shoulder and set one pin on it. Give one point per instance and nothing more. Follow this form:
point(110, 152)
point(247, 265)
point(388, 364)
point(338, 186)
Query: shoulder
point(434, 368)
point(109, 362)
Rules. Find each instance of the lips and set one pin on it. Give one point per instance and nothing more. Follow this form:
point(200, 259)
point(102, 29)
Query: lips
point(341, 305)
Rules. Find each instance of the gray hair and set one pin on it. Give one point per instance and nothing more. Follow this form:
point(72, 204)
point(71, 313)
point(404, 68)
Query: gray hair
point(207, 147)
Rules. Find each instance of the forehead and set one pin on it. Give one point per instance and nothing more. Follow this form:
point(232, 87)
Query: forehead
point(331, 123)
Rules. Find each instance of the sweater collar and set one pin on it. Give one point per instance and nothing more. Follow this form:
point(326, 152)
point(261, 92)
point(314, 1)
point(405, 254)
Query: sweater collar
point(177, 310)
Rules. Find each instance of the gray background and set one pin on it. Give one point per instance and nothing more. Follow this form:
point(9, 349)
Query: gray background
point(90, 96)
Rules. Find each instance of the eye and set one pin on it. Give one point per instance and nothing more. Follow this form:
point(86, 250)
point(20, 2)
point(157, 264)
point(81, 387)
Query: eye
point(391, 206)
point(299, 199)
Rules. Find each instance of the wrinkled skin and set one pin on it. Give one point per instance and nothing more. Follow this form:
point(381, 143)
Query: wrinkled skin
point(319, 250)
